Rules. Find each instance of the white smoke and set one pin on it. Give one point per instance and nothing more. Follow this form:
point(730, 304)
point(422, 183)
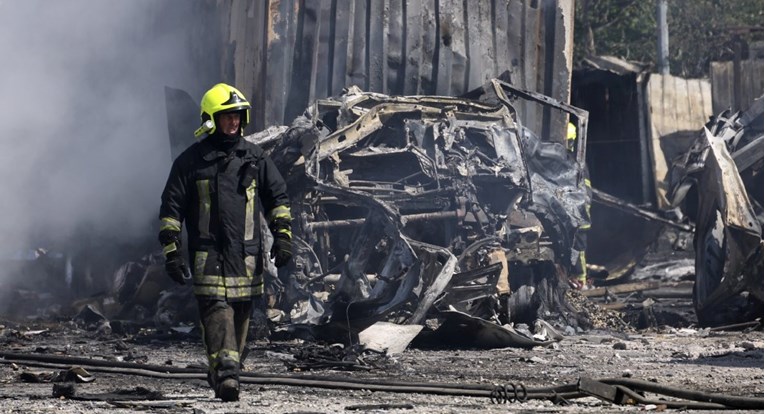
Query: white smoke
point(84, 131)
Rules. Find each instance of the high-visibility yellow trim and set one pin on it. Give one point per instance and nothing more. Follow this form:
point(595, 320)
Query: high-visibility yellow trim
point(244, 292)
point(587, 182)
point(200, 260)
point(249, 265)
point(227, 281)
point(583, 262)
point(228, 287)
point(282, 211)
point(169, 223)
point(214, 359)
point(249, 212)
point(231, 287)
point(203, 188)
point(228, 354)
point(285, 231)
point(169, 248)
point(231, 292)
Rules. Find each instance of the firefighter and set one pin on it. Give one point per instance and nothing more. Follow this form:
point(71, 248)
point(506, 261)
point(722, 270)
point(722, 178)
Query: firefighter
point(217, 188)
point(578, 279)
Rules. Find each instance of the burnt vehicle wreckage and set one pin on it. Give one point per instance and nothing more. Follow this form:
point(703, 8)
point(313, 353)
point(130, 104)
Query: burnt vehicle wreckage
point(719, 184)
point(428, 208)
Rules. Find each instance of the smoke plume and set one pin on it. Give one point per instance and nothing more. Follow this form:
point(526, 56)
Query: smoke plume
point(85, 144)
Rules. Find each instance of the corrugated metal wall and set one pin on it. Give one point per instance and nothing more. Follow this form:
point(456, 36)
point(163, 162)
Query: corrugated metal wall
point(287, 53)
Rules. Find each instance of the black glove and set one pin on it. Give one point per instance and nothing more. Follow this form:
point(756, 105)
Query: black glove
point(281, 251)
point(175, 267)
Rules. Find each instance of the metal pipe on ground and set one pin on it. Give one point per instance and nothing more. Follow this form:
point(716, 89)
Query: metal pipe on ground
point(700, 400)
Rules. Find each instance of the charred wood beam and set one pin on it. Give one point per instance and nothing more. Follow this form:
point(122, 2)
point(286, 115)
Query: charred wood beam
point(611, 201)
point(625, 288)
point(748, 155)
point(439, 215)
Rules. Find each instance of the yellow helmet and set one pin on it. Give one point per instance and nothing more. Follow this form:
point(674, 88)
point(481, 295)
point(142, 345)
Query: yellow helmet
point(222, 98)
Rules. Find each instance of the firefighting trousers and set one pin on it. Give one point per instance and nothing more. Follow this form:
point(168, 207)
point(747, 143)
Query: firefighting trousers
point(224, 332)
point(580, 268)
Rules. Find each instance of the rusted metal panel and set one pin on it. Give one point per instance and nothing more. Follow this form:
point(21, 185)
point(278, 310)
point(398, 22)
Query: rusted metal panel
point(515, 43)
point(301, 85)
point(456, 33)
point(339, 45)
point(500, 39)
point(287, 53)
point(322, 75)
point(377, 41)
point(256, 32)
point(531, 43)
point(278, 60)
point(394, 52)
point(558, 51)
point(430, 43)
point(673, 112)
point(357, 51)
point(412, 45)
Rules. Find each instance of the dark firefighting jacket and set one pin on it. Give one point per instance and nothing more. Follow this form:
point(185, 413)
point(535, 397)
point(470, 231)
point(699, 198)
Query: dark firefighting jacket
point(218, 194)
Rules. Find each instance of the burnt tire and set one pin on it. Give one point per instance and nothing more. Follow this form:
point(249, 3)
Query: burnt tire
point(710, 264)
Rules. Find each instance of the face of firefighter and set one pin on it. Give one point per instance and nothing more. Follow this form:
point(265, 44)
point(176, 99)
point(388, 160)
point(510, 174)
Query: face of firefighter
point(229, 123)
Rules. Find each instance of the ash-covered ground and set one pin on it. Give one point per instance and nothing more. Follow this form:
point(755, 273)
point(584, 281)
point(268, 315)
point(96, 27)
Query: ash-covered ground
point(691, 359)
point(668, 350)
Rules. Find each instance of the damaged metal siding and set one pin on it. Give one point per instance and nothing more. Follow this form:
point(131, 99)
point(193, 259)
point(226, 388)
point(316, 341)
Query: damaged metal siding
point(286, 54)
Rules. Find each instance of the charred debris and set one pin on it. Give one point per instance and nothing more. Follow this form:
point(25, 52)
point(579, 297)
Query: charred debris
point(718, 182)
point(428, 211)
point(431, 219)
point(443, 221)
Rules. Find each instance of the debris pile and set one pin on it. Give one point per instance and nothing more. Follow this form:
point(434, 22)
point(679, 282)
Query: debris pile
point(408, 209)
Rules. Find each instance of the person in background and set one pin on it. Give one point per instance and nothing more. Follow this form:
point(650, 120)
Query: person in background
point(578, 279)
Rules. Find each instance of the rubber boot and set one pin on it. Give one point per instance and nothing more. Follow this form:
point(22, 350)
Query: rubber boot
point(228, 390)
